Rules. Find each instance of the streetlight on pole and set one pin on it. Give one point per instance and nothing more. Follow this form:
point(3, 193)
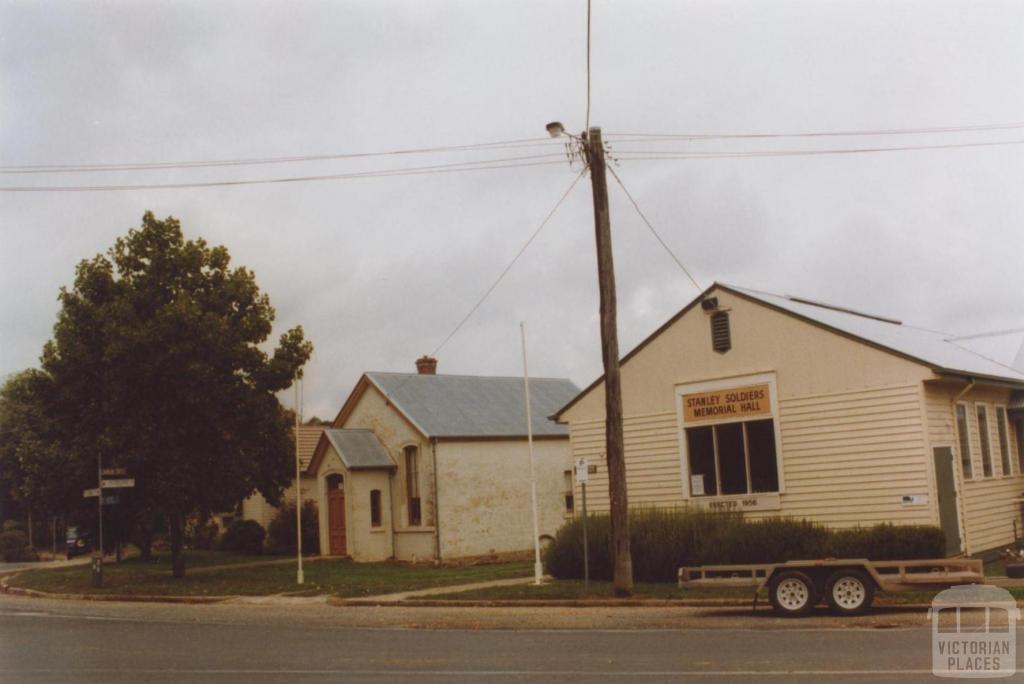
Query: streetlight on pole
point(590, 146)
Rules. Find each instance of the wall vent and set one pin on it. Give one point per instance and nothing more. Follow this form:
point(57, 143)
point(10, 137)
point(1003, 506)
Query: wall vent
point(721, 340)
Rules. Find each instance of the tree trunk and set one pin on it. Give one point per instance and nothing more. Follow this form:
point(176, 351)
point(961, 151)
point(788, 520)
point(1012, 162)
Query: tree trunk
point(145, 541)
point(177, 521)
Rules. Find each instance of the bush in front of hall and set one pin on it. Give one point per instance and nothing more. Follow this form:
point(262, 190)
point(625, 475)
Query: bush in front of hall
point(281, 530)
point(663, 540)
point(14, 547)
point(243, 535)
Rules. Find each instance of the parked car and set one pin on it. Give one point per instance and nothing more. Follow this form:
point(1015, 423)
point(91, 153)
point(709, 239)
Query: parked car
point(78, 542)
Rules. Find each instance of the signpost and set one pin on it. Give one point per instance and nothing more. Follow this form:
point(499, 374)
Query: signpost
point(120, 483)
point(582, 475)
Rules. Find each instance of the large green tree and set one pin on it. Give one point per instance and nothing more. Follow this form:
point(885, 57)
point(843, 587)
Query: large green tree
point(157, 367)
point(33, 470)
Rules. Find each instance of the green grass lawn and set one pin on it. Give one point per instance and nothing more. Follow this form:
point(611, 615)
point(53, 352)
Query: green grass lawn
point(340, 578)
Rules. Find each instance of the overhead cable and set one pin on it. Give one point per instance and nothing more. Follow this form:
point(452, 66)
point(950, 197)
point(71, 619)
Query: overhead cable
point(653, 231)
point(482, 165)
point(819, 134)
point(145, 166)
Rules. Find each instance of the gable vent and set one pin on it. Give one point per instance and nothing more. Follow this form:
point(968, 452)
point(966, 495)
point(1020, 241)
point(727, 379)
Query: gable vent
point(721, 340)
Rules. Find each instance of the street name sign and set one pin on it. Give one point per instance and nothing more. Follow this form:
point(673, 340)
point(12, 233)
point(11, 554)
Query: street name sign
point(113, 484)
point(88, 493)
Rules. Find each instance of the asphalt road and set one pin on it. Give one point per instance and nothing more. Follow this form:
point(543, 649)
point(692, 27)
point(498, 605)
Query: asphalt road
point(51, 641)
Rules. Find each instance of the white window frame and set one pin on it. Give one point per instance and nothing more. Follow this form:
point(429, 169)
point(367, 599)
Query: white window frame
point(722, 384)
point(964, 440)
point(985, 439)
point(1001, 410)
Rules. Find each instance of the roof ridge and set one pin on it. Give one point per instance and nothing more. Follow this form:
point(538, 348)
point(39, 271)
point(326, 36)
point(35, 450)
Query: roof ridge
point(824, 305)
point(467, 375)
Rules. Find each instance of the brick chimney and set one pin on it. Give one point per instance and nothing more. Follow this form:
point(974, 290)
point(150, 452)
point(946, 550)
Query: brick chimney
point(426, 365)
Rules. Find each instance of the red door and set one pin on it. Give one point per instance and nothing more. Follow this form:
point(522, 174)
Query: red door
point(336, 520)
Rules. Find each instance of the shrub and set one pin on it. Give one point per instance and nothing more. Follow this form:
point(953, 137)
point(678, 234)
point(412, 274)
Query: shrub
point(281, 530)
point(14, 547)
point(663, 540)
point(245, 536)
point(199, 536)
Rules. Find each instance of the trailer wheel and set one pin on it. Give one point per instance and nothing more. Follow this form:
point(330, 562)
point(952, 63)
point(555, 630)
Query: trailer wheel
point(849, 592)
point(792, 593)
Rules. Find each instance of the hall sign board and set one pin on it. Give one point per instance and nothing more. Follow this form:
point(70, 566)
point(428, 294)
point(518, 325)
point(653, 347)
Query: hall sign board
point(726, 404)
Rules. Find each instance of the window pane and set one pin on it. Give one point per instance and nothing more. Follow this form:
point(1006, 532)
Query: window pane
point(1020, 445)
point(764, 472)
point(1004, 440)
point(701, 449)
point(732, 464)
point(375, 507)
point(965, 442)
point(986, 450)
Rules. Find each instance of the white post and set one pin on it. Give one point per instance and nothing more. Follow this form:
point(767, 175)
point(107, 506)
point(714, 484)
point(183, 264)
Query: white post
point(538, 569)
point(299, 579)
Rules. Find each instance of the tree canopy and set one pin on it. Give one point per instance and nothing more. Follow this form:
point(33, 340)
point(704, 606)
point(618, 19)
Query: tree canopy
point(157, 367)
point(32, 468)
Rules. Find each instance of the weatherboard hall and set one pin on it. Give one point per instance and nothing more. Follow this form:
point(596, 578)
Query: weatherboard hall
point(777, 405)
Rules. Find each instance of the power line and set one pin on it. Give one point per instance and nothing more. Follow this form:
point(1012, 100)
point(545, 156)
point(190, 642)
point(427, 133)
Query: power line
point(817, 134)
point(501, 276)
point(142, 166)
point(512, 263)
point(483, 165)
point(646, 155)
point(653, 231)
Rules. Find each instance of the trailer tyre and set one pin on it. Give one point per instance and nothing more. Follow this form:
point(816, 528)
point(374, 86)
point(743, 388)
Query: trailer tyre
point(792, 593)
point(849, 592)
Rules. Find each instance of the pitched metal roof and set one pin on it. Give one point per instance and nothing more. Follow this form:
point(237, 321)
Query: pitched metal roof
point(359, 449)
point(941, 351)
point(475, 406)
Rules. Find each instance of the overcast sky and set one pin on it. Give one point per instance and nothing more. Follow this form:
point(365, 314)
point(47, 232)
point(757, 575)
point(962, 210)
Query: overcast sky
point(379, 270)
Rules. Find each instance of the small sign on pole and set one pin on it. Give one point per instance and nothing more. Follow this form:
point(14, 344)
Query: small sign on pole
point(582, 471)
point(89, 493)
point(114, 472)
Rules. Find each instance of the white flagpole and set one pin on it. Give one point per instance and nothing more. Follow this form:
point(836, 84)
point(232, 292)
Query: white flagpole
point(299, 578)
point(538, 569)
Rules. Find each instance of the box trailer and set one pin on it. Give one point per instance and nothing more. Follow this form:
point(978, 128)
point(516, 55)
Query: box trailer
point(848, 585)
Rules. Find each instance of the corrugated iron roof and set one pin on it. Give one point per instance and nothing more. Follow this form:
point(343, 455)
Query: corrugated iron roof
point(359, 449)
point(939, 350)
point(475, 406)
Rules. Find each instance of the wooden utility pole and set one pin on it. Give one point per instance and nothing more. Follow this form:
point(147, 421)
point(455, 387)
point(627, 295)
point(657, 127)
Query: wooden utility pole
point(622, 560)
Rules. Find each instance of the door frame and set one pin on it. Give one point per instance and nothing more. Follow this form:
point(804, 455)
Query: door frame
point(327, 510)
point(954, 464)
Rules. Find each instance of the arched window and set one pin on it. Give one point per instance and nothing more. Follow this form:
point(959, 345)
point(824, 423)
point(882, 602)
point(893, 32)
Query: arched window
point(335, 482)
point(375, 517)
point(412, 485)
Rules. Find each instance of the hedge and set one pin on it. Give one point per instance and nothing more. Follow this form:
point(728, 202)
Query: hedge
point(245, 536)
point(14, 547)
point(281, 530)
point(663, 540)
